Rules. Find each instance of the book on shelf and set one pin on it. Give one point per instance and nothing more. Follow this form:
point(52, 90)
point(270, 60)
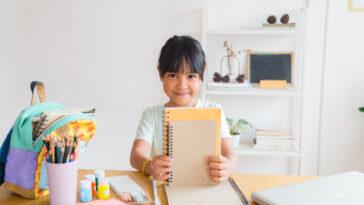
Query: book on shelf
point(275, 139)
point(259, 132)
point(288, 145)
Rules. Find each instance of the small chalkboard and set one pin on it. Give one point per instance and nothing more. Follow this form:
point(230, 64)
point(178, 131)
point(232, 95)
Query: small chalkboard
point(270, 66)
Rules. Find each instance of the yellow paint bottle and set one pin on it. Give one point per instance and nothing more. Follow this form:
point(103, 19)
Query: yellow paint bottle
point(104, 188)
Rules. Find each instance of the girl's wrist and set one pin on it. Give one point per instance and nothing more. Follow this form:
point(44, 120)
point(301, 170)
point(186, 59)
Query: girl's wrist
point(145, 167)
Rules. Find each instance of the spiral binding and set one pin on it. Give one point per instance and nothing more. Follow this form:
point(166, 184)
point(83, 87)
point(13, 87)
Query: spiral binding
point(167, 132)
point(170, 149)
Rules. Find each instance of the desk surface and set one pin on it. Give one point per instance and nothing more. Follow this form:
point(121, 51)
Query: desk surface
point(248, 183)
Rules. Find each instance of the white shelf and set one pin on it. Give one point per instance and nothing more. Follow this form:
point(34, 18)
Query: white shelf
point(265, 31)
point(254, 91)
point(247, 149)
point(260, 39)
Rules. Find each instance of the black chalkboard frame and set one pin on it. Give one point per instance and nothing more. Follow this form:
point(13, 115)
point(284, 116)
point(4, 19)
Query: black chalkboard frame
point(248, 63)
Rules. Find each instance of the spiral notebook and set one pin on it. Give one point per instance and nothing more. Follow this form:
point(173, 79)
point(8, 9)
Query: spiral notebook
point(190, 134)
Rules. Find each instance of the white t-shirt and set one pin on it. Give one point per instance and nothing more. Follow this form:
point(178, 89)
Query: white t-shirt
point(150, 125)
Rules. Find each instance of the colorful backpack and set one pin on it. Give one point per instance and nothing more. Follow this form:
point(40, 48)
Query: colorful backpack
point(25, 172)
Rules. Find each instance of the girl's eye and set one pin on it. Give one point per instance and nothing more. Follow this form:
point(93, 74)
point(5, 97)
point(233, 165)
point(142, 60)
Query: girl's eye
point(172, 75)
point(192, 76)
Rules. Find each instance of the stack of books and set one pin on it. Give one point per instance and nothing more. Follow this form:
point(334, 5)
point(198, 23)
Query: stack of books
point(273, 139)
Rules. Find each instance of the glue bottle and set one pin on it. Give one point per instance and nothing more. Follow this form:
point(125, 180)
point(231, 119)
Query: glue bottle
point(98, 174)
point(91, 177)
point(104, 188)
point(85, 191)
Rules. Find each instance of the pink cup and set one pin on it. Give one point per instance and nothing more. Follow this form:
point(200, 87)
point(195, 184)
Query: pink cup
point(62, 180)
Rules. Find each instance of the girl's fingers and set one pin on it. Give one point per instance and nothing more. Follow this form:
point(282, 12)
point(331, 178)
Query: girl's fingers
point(164, 158)
point(164, 170)
point(161, 176)
point(218, 173)
point(218, 179)
point(159, 163)
point(165, 177)
point(220, 159)
point(217, 166)
point(163, 163)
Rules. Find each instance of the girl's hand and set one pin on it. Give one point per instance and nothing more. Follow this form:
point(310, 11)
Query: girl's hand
point(160, 167)
point(218, 168)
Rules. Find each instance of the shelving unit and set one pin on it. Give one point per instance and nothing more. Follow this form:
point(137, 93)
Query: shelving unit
point(292, 93)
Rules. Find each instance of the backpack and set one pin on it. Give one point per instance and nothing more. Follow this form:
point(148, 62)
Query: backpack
point(24, 171)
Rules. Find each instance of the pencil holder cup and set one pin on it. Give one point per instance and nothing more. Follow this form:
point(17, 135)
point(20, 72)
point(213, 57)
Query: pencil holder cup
point(62, 180)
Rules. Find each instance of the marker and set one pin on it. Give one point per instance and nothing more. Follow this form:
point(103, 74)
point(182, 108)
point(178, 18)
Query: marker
point(52, 150)
point(66, 151)
point(62, 151)
point(58, 148)
point(75, 153)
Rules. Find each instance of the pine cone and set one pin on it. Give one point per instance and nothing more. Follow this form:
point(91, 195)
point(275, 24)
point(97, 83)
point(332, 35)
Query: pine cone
point(217, 77)
point(226, 79)
point(271, 19)
point(285, 19)
point(240, 78)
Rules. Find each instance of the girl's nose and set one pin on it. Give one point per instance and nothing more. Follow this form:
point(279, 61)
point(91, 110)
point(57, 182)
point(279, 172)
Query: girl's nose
point(183, 83)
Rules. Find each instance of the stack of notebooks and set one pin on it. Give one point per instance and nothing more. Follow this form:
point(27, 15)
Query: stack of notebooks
point(190, 134)
point(273, 139)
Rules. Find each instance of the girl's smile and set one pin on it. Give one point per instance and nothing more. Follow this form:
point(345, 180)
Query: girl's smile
point(182, 88)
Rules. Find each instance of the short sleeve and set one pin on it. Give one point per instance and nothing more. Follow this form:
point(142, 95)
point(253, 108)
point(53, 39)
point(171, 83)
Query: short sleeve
point(145, 128)
point(225, 133)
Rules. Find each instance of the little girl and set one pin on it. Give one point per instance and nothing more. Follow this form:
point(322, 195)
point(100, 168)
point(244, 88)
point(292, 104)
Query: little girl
point(181, 67)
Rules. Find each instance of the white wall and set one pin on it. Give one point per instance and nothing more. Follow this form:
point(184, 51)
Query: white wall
point(98, 53)
point(342, 125)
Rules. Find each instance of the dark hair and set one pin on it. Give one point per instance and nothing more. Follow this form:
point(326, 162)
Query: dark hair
point(179, 50)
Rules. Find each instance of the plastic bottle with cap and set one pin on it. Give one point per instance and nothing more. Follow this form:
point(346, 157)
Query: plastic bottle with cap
point(104, 188)
point(98, 174)
point(85, 191)
point(91, 177)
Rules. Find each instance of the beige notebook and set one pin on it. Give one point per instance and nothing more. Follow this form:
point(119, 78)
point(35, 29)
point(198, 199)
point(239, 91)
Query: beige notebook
point(192, 141)
point(190, 135)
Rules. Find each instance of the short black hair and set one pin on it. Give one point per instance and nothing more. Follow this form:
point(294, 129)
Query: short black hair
point(179, 50)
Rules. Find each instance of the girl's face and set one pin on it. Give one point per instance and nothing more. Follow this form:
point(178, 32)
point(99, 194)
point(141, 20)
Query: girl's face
point(182, 88)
